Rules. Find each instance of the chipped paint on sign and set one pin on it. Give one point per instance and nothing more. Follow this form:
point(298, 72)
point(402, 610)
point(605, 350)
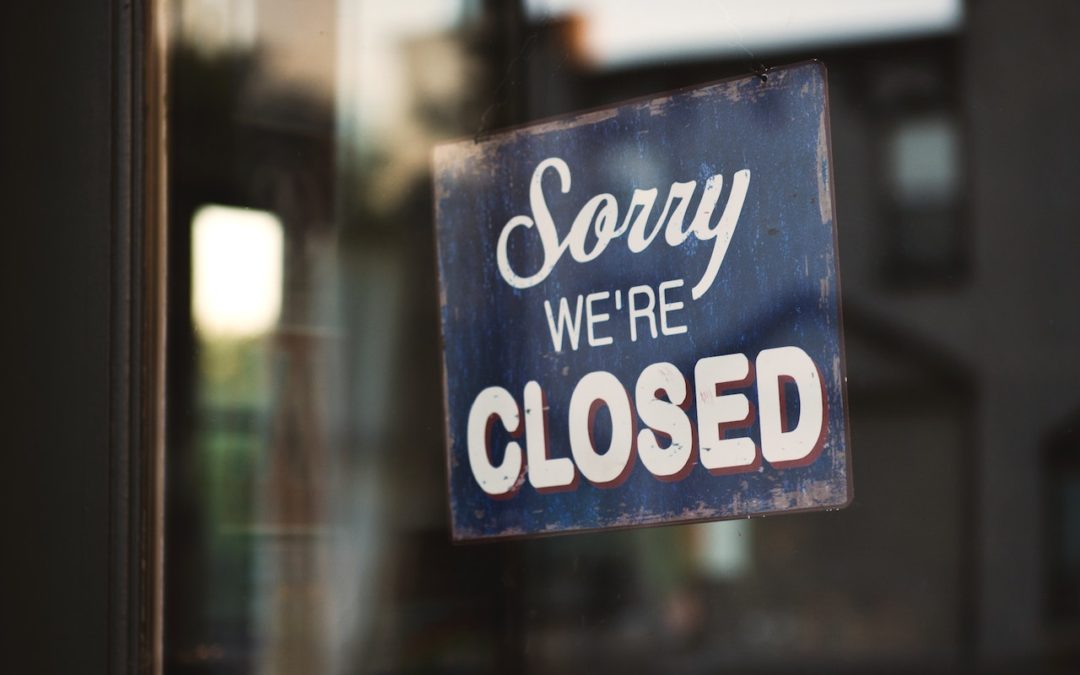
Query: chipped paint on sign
point(640, 308)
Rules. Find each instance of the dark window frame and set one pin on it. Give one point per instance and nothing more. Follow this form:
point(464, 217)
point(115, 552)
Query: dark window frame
point(84, 266)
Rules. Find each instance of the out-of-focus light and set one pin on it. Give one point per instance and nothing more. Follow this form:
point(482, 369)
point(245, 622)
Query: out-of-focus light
point(213, 26)
point(374, 83)
point(724, 549)
point(236, 271)
point(618, 33)
point(925, 161)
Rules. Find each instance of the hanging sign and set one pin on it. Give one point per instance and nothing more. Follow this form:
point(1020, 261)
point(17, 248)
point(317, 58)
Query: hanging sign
point(640, 309)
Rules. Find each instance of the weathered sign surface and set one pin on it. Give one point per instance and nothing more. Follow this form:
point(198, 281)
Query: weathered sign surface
point(640, 308)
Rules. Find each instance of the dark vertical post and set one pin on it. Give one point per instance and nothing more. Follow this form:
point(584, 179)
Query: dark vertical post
point(78, 339)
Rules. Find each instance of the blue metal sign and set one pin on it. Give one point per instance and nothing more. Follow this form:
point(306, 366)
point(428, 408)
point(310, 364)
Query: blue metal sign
point(641, 313)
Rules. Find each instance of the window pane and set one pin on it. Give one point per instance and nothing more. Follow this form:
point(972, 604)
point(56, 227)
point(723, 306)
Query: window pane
point(307, 507)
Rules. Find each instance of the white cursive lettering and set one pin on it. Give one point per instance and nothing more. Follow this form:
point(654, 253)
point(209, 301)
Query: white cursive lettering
point(601, 215)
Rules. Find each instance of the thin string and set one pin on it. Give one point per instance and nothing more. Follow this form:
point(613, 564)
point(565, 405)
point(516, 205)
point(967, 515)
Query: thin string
point(754, 65)
point(507, 77)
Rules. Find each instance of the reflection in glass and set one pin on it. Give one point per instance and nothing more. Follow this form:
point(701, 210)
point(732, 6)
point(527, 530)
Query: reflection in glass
point(622, 33)
point(307, 516)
